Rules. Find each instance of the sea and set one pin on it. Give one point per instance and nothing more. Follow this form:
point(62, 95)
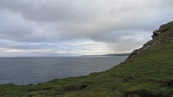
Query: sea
point(34, 70)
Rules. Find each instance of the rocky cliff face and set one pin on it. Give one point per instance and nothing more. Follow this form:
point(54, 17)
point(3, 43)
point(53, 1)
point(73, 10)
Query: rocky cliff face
point(156, 39)
point(161, 30)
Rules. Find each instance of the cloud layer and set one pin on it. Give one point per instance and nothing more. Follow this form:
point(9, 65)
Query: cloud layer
point(78, 27)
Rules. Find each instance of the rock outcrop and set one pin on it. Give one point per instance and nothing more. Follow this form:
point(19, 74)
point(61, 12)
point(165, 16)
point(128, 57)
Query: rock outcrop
point(162, 29)
point(152, 42)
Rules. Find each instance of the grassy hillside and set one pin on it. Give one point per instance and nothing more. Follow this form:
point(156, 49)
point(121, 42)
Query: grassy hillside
point(147, 73)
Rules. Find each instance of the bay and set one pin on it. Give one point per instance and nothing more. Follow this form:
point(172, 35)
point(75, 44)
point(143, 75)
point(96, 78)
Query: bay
point(34, 70)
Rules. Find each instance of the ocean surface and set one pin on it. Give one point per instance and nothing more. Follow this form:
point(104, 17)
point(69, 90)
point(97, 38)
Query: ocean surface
point(34, 70)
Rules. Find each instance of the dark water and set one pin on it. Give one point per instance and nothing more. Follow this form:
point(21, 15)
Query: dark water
point(41, 69)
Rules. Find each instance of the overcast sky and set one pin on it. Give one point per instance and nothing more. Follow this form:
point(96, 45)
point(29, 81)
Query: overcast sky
point(78, 27)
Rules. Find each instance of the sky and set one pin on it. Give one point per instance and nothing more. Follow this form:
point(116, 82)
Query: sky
point(78, 27)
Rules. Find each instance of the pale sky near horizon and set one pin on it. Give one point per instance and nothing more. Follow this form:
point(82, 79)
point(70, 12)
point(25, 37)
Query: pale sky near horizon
point(78, 27)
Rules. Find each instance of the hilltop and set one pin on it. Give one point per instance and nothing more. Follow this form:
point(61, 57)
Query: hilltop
point(148, 72)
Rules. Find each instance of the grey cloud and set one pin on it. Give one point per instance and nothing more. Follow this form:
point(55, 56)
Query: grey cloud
point(14, 27)
point(55, 24)
point(47, 11)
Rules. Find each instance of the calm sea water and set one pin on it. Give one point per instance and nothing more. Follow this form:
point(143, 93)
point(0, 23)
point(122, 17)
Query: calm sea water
point(33, 70)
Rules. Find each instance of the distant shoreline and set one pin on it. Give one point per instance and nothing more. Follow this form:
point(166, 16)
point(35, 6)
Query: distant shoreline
point(123, 54)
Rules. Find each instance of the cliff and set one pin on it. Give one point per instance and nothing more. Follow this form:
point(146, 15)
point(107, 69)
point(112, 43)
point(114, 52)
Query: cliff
point(158, 38)
point(148, 72)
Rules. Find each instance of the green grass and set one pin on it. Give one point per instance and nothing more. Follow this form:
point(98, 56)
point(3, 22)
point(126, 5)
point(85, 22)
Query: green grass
point(148, 74)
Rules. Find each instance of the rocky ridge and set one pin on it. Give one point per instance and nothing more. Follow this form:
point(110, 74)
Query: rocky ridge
point(155, 40)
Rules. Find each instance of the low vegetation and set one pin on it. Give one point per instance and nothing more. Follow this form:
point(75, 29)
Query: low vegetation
point(148, 73)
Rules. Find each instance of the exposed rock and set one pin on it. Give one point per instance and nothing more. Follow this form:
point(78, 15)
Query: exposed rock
point(163, 28)
point(155, 34)
point(152, 42)
point(159, 31)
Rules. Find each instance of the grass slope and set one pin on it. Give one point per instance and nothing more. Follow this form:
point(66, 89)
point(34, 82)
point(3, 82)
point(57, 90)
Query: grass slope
point(147, 74)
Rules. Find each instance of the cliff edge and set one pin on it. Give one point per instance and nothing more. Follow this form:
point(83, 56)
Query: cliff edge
point(157, 38)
